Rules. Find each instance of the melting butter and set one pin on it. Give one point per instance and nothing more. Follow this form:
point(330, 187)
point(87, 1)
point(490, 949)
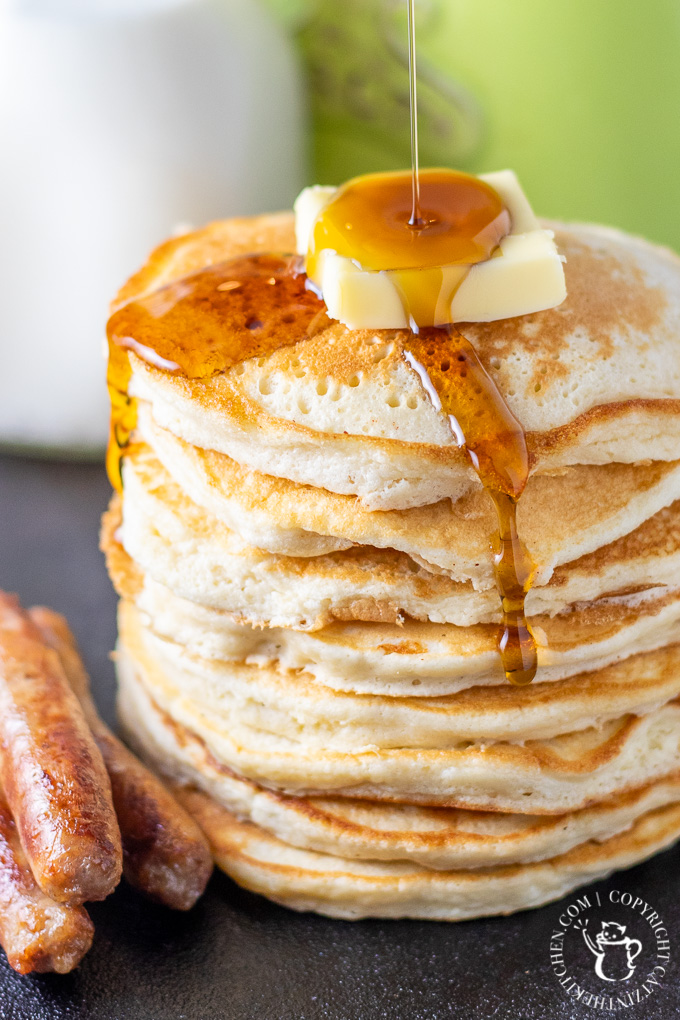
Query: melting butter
point(481, 254)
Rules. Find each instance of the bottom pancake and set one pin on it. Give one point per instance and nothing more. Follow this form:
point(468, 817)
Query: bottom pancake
point(352, 889)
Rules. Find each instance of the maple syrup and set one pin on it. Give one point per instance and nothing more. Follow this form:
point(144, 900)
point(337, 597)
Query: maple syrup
point(203, 324)
point(459, 385)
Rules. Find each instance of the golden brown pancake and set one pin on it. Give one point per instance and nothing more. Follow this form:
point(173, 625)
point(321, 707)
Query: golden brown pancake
point(199, 558)
point(597, 505)
point(413, 658)
point(293, 705)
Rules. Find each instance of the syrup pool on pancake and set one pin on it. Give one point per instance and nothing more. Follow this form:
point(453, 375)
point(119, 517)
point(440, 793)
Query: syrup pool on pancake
point(460, 221)
point(203, 324)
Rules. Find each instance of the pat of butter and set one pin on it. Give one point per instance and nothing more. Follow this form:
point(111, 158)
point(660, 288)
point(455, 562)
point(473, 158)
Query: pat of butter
point(525, 274)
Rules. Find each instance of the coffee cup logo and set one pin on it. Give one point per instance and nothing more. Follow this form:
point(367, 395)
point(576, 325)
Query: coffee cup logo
point(614, 951)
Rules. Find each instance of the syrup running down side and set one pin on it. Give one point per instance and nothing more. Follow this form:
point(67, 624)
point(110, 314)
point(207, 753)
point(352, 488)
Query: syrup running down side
point(459, 385)
point(454, 377)
point(203, 324)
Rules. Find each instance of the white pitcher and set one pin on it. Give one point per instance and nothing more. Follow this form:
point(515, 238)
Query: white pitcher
point(119, 120)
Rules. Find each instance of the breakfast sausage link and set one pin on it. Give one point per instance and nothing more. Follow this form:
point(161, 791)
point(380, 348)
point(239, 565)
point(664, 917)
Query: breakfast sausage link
point(51, 770)
point(165, 855)
point(36, 933)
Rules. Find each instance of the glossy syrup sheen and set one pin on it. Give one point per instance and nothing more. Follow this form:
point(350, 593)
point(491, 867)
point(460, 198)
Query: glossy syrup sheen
point(461, 220)
point(203, 324)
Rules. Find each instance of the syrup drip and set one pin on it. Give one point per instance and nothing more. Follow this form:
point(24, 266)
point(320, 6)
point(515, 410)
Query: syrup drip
point(459, 385)
point(203, 324)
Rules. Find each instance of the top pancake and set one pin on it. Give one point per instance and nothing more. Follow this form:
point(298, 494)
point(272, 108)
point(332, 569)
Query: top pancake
point(594, 381)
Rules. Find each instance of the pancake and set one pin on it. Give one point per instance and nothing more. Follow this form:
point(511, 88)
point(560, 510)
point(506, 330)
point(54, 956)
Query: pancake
point(198, 558)
point(293, 705)
point(414, 658)
point(547, 776)
point(597, 505)
point(352, 889)
point(437, 838)
point(594, 381)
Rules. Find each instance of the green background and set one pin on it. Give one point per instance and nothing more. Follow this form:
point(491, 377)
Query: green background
point(580, 97)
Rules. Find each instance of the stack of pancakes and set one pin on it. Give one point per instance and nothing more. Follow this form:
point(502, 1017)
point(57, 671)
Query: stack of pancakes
point(308, 622)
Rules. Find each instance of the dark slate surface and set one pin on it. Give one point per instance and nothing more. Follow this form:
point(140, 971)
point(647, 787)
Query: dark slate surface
point(236, 956)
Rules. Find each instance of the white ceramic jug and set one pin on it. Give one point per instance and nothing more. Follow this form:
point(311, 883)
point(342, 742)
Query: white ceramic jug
point(120, 119)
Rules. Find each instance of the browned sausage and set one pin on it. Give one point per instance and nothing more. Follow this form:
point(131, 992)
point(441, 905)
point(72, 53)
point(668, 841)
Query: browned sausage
point(36, 933)
point(165, 855)
point(51, 770)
